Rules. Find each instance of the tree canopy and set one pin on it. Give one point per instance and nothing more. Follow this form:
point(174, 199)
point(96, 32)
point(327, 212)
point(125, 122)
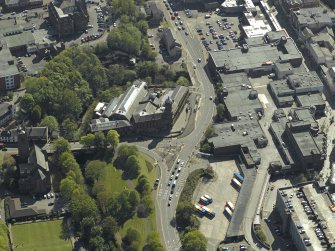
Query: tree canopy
point(194, 241)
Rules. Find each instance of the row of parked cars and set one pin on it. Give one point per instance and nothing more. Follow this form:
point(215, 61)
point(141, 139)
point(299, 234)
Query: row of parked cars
point(91, 37)
point(20, 65)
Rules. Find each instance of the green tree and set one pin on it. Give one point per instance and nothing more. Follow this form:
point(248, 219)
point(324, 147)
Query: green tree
point(68, 187)
point(36, 114)
point(146, 206)
point(88, 140)
point(27, 103)
point(124, 151)
point(81, 206)
point(220, 108)
point(133, 168)
point(183, 81)
point(143, 26)
point(184, 213)
point(100, 140)
point(70, 127)
point(50, 122)
point(109, 228)
point(133, 199)
point(133, 237)
point(113, 138)
point(126, 38)
point(194, 241)
point(210, 132)
point(9, 171)
point(143, 185)
point(60, 146)
point(153, 243)
point(94, 170)
point(124, 7)
point(96, 243)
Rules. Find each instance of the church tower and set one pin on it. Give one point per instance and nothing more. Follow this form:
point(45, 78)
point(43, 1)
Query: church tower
point(23, 145)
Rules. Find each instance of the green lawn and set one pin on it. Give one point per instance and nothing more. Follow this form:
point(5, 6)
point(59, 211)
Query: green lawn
point(40, 236)
point(113, 182)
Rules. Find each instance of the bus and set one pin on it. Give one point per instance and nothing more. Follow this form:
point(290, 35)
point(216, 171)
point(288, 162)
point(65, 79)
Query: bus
point(236, 183)
point(209, 198)
point(209, 212)
point(228, 212)
point(204, 200)
point(239, 177)
point(200, 210)
point(230, 205)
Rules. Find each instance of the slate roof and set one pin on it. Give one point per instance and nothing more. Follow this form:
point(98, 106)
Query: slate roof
point(15, 210)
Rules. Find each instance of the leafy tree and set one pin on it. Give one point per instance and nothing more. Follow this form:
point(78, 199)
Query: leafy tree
point(86, 225)
point(124, 151)
point(100, 140)
point(88, 140)
point(184, 213)
point(109, 228)
point(118, 75)
point(35, 115)
point(105, 201)
point(143, 186)
point(113, 138)
point(132, 237)
point(101, 48)
point(126, 7)
point(50, 122)
point(143, 26)
point(27, 103)
point(67, 187)
point(220, 108)
point(94, 170)
point(96, 243)
point(183, 81)
point(133, 199)
point(60, 146)
point(82, 205)
point(146, 206)
point(126, 205)
point(153, 243)
point(132, 169)
point(210, 132)
point(194, 241)
point(9, 171)
point(70, 127)
point(126, 38)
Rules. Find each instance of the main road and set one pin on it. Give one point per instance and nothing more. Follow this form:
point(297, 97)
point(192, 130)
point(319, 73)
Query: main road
point(192, 51)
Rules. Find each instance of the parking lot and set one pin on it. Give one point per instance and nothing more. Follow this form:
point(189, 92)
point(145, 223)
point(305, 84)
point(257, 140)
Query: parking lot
point(221, 190)
point(216, 32)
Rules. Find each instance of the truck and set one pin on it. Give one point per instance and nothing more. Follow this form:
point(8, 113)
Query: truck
point(236, 183)
point(230, 205)
point(200, 210)
point(209, 198)
point(204, 200)
point(239, 177)
point(228, 212)
point(209, 212)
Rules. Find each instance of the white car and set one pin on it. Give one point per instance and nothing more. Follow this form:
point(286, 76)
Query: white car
point(199, 60)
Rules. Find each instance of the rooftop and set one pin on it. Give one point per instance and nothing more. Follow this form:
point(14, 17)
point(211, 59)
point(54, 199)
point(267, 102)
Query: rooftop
point(306, 203)
point(311, 16)
point(7, 66)
point(237, 60)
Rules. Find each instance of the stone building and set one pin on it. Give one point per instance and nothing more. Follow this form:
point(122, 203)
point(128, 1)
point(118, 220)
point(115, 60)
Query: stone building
point(69, 18)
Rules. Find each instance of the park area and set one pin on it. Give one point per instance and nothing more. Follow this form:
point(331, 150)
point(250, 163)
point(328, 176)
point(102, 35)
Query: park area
point(114, 182)
point(41, 236)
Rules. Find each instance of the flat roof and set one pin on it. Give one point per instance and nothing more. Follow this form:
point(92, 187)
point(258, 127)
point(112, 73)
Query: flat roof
point(313, 99)
point(237, 60)
point(319, 203)
point(5, 68)
point(310, 16)
point(306, 143)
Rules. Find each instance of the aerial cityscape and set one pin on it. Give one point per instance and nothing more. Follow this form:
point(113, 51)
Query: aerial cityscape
point(177, 125)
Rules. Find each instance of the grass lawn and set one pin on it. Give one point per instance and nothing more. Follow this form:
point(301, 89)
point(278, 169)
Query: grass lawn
point(40, 236)
point(1, 157)
point(113, 182)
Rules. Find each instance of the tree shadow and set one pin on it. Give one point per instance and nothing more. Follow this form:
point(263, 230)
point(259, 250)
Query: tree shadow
point(65, 231)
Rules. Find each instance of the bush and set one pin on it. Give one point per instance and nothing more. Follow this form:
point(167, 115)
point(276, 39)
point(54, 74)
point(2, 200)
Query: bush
point(192, 182)
point(260, 233)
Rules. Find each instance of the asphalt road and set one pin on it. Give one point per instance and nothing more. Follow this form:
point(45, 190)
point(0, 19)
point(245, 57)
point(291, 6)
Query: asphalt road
point(192, 51)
